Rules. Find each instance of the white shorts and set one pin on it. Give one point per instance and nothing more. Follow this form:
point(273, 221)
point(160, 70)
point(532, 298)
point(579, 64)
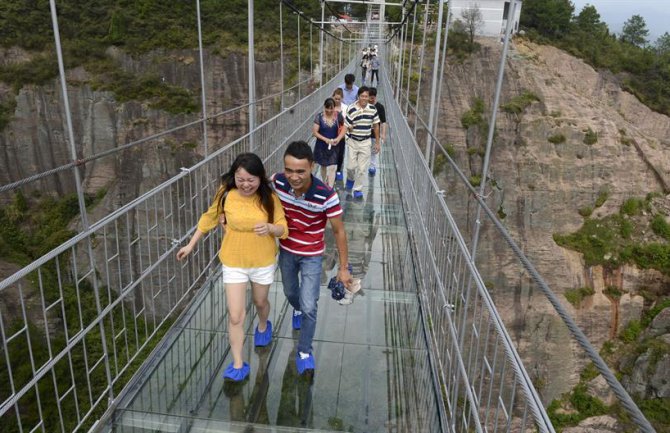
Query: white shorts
point(264, 275)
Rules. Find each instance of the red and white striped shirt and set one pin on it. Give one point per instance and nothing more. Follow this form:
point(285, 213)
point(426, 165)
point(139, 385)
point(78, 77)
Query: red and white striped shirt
point(306, 215)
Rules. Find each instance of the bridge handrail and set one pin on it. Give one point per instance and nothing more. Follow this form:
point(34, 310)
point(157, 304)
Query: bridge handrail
point(142, 198)
point(616, 387)
point(151, 244)
point(406, 147)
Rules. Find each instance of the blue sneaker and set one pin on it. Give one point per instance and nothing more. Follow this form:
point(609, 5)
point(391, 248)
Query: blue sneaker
point(297, 319)
point(358, 194)
point(339, 176)
point(236, 374)
point(304, 364)
point(372, 171)
point(262, 339)
point(349, 185)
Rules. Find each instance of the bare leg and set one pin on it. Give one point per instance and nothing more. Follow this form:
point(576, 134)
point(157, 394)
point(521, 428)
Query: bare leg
point(330, 175)
point(260, 297)
point(236, 300)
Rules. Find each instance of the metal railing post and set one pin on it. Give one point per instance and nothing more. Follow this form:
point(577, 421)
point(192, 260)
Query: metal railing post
point(80, 192)
point(423, 49)
point(439, 88)
point(339, 66)
point(492, 128)
point(433, 89)
point(251, 74)
point(321, 70)
point(281, 53)
point(299, 55)
point(409, 68)
point(203, 95)
point(400, 56)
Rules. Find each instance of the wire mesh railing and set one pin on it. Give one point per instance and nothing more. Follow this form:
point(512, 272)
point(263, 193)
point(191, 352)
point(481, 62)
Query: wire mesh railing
point(78, 320)
point(484, 383)
point(534, 309)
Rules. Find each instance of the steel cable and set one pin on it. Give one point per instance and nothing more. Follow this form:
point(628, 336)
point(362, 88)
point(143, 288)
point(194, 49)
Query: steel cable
point(618, 389)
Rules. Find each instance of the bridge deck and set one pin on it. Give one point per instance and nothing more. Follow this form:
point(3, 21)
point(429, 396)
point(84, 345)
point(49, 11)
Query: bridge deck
point(372, 373)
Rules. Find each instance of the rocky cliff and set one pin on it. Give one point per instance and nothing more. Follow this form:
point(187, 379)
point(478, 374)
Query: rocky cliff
point(538, 188)
point(36, 138)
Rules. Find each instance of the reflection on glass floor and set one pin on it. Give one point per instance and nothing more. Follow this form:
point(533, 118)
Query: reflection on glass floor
point(372, 375)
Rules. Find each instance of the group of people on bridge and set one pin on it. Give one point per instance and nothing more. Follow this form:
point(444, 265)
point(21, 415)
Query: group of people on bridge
point(292, 207)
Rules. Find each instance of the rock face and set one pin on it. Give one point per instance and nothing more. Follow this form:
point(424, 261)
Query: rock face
point(36, 139)
point(650, 378)
point(596, 424)
point(600, 389)
point(539, 186)
point(661, 323)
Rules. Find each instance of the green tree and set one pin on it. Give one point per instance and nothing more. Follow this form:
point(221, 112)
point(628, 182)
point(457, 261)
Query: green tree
point(588, 21)
point(635, 31)
point(662, 44)
point(473, 21)
point(551, 18)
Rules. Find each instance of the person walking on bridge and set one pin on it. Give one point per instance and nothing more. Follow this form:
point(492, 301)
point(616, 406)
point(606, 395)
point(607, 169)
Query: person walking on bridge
point(341, 108)
point(328, 129)
point(362, 122)
point(253, 218)
point(374, 68)
point(349, 89)
point(365, 66)
point(381, 111)
point(308, 204)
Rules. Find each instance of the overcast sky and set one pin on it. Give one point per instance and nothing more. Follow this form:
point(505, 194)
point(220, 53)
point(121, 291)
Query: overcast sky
point(656, 13)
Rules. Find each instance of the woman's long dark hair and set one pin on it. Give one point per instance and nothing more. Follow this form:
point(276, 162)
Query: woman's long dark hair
point(254, 166)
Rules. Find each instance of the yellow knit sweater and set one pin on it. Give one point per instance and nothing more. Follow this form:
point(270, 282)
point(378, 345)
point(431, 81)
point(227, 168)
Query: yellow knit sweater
point(241, 247)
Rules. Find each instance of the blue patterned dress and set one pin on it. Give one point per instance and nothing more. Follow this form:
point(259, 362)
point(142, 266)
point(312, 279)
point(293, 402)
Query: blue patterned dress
point(322, 155)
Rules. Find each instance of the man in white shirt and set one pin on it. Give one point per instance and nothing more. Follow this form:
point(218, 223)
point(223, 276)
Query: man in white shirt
point(349, 89)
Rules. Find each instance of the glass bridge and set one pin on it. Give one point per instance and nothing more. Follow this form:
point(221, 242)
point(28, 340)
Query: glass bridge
point(373, 370)
point(109, 333)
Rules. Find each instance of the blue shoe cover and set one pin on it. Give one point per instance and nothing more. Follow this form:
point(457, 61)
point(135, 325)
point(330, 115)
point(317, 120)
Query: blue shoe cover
point(237, 374)
point(304, 364)
point(262, 339)
point(349, 185)
point(358, 194)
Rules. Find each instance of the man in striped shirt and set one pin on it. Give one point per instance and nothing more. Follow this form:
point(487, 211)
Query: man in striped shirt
point(308, 204)
point(362, 122)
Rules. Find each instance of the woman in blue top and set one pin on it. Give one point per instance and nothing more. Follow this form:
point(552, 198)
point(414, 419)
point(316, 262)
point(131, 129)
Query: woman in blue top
point(329, 132)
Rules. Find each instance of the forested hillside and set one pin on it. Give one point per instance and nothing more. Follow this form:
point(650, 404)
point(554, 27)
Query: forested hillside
point(642, 65)
point(89, 28)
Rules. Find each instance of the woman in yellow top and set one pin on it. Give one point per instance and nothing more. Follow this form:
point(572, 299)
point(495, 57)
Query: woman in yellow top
point(253, 217)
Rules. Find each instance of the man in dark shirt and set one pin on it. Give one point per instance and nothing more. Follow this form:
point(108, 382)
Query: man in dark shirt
point(381, 112)
point(374, 66)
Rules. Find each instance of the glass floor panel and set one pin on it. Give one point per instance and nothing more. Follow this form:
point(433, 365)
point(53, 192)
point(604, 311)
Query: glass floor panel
point(358, 387)
point(372, 367)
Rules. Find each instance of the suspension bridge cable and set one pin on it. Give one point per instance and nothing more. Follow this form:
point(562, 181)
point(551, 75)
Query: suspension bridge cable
point(290, 5)
point(405, 18)
point(423, 50)
point(622, 395)
point(335, 14)
point(83, 161)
